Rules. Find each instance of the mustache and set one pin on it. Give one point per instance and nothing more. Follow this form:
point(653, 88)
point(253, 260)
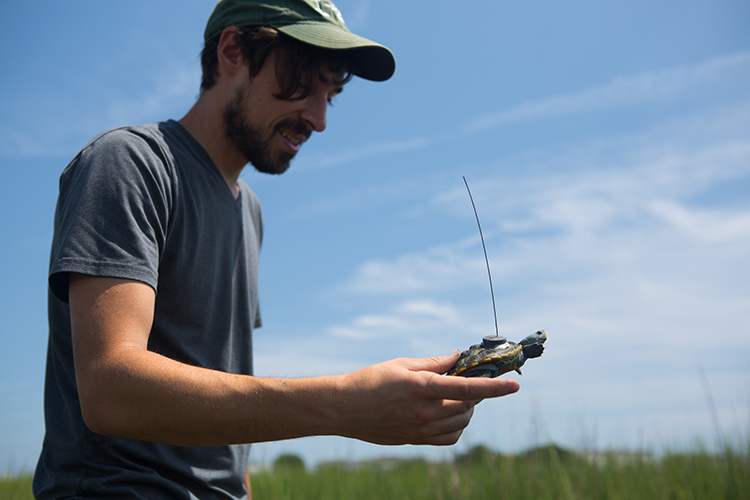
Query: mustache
point(296, 126)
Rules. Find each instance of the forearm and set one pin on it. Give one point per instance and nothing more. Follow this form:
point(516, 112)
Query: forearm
point(143, 395)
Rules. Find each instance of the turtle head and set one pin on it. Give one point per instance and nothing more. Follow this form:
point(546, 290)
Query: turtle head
point(532, 347)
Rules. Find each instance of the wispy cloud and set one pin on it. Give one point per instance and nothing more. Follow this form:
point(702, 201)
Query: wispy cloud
point(368, 150)
point(411, 317)
point(438, 268)
point(665, 85)
point(598, 212)
point(708, 225)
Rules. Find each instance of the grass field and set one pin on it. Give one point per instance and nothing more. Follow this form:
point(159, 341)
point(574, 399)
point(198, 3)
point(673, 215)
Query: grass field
point(542, 473)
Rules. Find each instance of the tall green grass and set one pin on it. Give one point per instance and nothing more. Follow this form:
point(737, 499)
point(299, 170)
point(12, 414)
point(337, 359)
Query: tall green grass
point(543, 473)
point(16, 488)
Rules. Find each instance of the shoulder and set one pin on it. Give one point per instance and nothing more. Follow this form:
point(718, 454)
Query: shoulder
point(134, 141)
point(125, 152)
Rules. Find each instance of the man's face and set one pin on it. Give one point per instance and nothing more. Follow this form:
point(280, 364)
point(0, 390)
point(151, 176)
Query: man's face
point(269, 131)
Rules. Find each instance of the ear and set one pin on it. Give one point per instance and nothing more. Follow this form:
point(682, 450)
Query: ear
point(229, 52)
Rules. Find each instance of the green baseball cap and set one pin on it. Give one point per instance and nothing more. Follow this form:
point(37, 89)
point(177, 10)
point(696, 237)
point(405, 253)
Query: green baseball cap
point(315, 22)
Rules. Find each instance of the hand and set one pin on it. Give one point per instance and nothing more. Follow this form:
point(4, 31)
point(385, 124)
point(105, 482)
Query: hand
point(408, 401)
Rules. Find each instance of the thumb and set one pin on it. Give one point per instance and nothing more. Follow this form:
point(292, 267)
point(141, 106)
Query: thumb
point(437, 364)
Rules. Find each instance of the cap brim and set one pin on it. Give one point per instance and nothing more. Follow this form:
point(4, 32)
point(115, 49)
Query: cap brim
point(369, 60)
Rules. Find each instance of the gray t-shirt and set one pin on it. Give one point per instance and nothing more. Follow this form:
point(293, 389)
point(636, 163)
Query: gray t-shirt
point(147, 203)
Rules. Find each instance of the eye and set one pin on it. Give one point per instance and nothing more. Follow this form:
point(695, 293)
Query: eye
point(333, 94)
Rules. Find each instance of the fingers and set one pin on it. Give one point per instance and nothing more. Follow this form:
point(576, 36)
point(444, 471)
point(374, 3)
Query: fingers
point(469, 389)
point(447, 430)
point(459, 388)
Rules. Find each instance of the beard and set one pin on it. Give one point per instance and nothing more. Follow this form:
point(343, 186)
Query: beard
point(252, 142)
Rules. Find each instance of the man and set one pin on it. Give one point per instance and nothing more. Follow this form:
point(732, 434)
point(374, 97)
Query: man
point(153, 283)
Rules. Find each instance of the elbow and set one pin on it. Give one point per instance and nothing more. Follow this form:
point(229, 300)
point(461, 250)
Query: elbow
point(95, 415)
point(97, 420)
point(100, 412)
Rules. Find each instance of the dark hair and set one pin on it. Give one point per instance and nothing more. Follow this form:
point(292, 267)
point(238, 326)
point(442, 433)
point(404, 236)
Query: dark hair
point(297, 64)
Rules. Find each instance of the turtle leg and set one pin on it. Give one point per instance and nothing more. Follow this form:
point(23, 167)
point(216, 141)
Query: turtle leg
point(533, 350)
point(533, 343)
point(487, 370)
point(521, 360)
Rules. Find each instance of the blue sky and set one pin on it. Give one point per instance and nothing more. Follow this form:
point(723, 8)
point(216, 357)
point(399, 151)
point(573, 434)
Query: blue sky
point(607, 145)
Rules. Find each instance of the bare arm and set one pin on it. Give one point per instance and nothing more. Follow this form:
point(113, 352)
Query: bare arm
point(128, 391)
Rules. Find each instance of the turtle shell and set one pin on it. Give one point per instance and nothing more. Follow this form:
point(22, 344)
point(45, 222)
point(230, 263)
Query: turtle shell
point(496, 355)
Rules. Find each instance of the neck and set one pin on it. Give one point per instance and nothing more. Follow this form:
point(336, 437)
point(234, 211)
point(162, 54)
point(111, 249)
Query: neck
point(205, 124)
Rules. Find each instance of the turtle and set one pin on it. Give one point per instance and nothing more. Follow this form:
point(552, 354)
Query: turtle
point(496, 355)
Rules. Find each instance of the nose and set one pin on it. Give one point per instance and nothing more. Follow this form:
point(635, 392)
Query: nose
point(314, 111)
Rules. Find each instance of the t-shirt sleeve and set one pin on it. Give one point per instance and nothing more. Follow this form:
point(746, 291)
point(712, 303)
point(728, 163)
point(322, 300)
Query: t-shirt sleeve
point(113, 211)
point(254, 216)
